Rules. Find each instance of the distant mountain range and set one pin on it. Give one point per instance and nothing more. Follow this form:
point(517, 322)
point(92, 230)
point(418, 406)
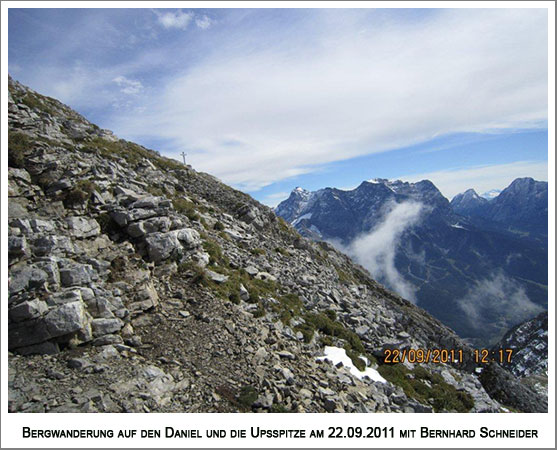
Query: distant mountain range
point(480, 266)
point(520, 208)
point(490, 195)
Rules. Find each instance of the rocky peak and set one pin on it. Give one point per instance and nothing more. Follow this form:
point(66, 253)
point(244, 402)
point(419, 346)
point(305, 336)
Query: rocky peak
point(468, 202)
point(523, 189)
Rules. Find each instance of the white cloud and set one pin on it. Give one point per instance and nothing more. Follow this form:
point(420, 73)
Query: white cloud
point(203, 22)
point(178, 19)
point(497, 303)
point(273, 200)
point(482, 179)
point(376, 250)
point(127, 86)
point(292, 104)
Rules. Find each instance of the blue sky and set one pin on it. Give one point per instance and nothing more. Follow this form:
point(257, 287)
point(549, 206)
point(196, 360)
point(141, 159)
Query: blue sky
point(271, 99)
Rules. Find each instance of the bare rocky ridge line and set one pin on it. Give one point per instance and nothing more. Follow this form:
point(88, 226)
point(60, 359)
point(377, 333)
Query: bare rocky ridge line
point(137, 284)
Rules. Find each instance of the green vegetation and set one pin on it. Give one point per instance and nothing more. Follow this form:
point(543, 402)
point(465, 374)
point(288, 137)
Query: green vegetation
point(247, 397)
point(157, 191)
point(37, 102)
point(215, 253)
point(185, 207)
point(224, 236)
point(131, 152)
point(218, 226)
point(287, 307)
point(259, 312)
point(258, 251)
point(344, 277)
point(259, 289)
point(278, 408)
point(80, 193)
point(283, 226)
point(327, 324)
point(243, 400)
point(18, 145)
point(198, 276)
point(427, 388)
point(282, 251)
point(107, 223)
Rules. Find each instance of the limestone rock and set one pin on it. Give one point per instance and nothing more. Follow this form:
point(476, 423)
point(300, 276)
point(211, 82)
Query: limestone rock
point(83, 227)
point(66, 319)
point(29, 309)
point(101, 326)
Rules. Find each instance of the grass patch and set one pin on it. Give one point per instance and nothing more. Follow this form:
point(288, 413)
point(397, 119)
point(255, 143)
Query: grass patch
point(243, 400)
point(258, 252)
point(183, 206)
point(80, 193)
point(156, 191)
point(287, 307)
point(18, 145)
point(131, 152)
point(427, 388)
point(323, 323)
point(278, 408)
point(260, 289)
point(196, 273)
point(224, 236)
point(37, 102)
point(216, 257)
point(326, 323)
point(344, 277)
point(247, 396)
point(108, 224)
point(283, 226)
point(282, 251)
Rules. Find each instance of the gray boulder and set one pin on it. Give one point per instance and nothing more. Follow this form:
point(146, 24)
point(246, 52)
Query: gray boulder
point(150, 202)
point(216, 277)
point(66, 319)
point(29, 332)
point(101, 326)
point(28, 310)
point(141, 228)
point(53, 245)
point(66, 296)
point(29, 277)
point(82, 227)
point(161, 246)
point(76, 275)
point(17, 247)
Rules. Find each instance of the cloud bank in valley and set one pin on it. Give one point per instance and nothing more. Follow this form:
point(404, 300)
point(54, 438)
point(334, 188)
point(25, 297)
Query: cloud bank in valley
point(496, 304)
point(376, 250)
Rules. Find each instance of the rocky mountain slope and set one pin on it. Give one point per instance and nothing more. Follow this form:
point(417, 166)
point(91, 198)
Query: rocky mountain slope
point(529, 343)
point(137, 284)
point(456, 269)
